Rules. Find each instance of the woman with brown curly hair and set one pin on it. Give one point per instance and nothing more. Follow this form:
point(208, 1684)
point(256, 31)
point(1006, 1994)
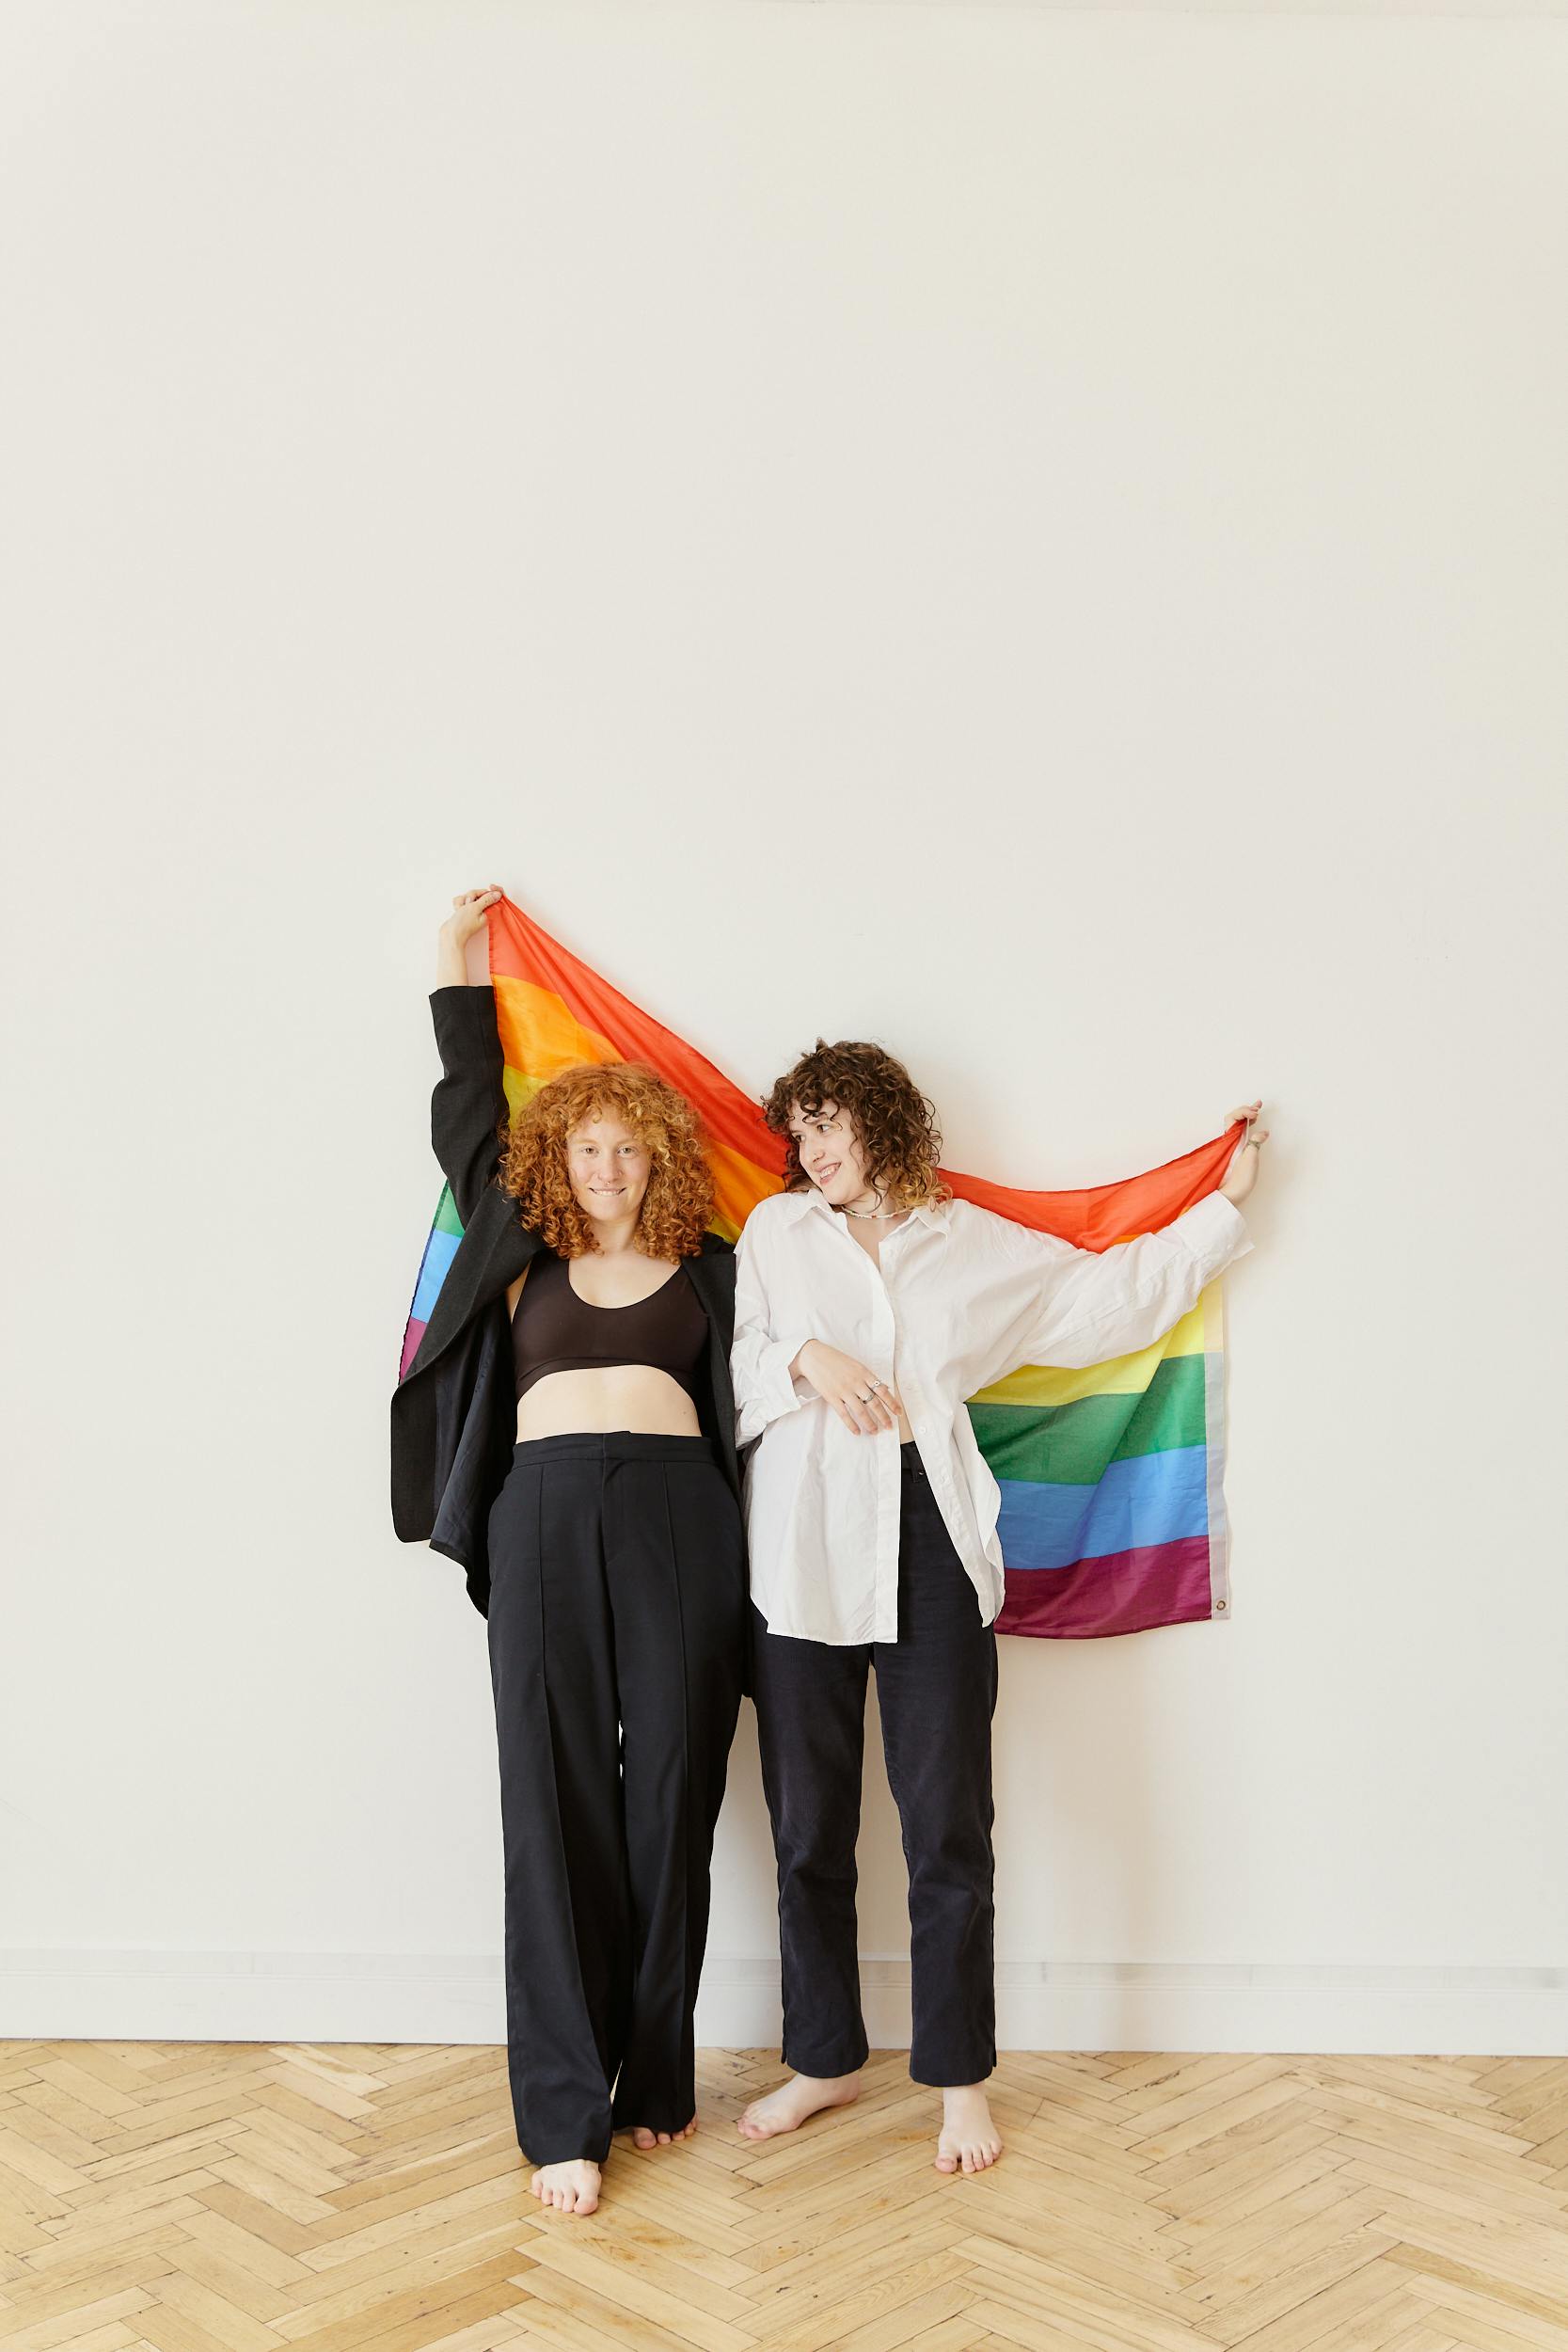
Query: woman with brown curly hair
point(596, 1491)
point(869, 1305)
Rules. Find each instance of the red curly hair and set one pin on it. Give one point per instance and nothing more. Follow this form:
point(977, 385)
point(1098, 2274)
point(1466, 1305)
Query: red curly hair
point(678, 1204)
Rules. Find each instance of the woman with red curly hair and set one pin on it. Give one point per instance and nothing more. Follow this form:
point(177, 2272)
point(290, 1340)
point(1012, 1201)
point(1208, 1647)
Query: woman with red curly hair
point(869, 1305)
point(593, 1494)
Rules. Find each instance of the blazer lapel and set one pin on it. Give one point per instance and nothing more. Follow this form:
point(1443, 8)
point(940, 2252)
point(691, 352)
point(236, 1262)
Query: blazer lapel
point(492, 1253)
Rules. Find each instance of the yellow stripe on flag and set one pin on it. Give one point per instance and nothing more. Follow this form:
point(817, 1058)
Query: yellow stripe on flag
point(1123, 1375)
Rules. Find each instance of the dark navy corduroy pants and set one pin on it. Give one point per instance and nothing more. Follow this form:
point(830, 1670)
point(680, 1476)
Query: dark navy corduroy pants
point(936, 1693)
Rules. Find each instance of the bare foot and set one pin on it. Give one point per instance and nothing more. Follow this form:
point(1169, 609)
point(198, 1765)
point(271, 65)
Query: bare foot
point(643, 2137)
point(789, 2105)
point(968, 2138)
point(570, 2188)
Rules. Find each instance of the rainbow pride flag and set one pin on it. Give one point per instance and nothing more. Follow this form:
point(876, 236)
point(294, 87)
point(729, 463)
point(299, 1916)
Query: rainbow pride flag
point(1113, 1507)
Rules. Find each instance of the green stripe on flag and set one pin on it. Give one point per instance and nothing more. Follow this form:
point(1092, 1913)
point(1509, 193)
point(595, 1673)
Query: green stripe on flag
point(1071, 1445)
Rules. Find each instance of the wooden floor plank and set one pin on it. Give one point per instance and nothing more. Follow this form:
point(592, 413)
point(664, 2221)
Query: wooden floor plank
point(307, 2197)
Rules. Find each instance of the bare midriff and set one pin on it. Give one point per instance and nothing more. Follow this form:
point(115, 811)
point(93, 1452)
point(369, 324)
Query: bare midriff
point(603, 1397)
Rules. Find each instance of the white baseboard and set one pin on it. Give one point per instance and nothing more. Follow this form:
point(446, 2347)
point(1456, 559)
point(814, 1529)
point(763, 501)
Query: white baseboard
point(1044, 2005)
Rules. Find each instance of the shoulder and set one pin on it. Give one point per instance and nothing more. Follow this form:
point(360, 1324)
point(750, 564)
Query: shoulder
point(778, 1210)
point(714, 1264)
point(509, 1209)
point(771, 1219)
point(983, 1234)
point(964, 1222)
point(498, 1211)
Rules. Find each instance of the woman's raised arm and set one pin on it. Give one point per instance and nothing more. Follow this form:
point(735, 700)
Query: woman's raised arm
point(467, 1109)
point(1049, 1302)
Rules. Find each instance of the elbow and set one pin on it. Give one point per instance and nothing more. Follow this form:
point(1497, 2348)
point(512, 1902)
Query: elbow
point(749, 1421)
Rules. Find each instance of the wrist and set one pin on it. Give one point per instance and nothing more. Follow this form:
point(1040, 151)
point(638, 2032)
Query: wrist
point(451, 963)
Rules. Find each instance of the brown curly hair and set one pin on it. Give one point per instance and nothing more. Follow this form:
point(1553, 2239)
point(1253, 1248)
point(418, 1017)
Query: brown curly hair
point(896, 1124)
point(678, 1204)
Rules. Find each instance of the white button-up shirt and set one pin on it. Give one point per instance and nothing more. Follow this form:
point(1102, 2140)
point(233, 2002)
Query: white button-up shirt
point(960, 1299)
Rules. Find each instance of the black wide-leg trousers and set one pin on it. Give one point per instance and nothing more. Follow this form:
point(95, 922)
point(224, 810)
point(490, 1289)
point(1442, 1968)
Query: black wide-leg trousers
point(616, 1629)
point(936, 1692)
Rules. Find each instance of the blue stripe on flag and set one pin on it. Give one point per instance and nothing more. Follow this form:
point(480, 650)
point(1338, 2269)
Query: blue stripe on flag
point(441, 1250)
point(1148, 1498)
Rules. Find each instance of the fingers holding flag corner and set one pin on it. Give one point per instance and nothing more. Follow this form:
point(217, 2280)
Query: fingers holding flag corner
point(1241, 1174)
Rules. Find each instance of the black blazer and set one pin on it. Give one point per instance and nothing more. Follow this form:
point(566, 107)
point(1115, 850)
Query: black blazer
point(455, 1413)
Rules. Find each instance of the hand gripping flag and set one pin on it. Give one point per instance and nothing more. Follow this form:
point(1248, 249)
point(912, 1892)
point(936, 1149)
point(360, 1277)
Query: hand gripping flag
point(1112, 1508)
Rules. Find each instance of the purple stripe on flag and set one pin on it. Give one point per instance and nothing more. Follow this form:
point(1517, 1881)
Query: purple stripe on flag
point(411, 1339)
point(1120, 1592)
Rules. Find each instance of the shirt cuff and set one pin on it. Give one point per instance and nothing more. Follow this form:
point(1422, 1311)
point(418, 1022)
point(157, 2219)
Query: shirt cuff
point(772, 1390)
point(786, 1388)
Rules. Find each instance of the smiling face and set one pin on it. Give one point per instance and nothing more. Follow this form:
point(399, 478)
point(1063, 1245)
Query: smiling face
point(607, 1168)
point(832, 1155)
point(857, 1128)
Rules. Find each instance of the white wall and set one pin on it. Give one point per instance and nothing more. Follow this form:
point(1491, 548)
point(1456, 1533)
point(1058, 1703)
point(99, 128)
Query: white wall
point(1036, 536)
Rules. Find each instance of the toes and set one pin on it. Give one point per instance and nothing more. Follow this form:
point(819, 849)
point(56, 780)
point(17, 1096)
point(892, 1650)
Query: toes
point(947, 2164)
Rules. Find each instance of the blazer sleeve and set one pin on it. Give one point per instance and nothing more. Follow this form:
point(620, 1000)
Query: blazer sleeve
point(469, 1110)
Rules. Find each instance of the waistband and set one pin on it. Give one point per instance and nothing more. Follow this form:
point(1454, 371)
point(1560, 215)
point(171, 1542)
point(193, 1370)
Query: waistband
point(908, 1460)
point(613, 1445)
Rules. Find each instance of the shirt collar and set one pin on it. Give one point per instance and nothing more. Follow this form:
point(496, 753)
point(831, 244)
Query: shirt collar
point(932, 1212)
point(809, 1203)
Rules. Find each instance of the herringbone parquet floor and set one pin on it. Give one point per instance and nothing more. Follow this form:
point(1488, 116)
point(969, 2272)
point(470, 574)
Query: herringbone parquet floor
point(236, 2197)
